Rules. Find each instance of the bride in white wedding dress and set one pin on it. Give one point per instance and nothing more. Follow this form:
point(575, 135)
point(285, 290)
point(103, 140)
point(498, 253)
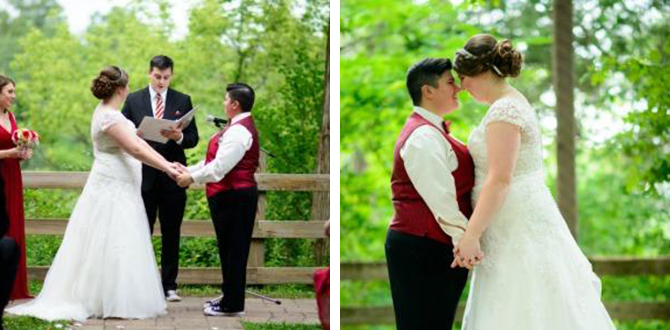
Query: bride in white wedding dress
point(533, 276)
point(105, 266)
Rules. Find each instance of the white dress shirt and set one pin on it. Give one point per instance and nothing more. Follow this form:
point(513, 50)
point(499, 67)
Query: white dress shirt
point(429, 161)
point(233, 144)
point(153, 94)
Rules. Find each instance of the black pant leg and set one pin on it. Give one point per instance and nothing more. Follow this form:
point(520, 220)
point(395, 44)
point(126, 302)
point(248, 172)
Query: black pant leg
point(9, 263)
point(151, 199)
point(218, 210)
point(237, 215)
point(171, 214)
point(240, 245)
point(448, 284)
point(425, 290)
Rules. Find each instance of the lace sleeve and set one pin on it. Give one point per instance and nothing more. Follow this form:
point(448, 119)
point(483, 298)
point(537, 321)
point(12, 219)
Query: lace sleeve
point(507, 112)
point(110, 118)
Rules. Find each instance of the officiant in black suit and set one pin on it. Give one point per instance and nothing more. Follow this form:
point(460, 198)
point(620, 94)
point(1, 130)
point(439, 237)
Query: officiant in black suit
point(162, 196)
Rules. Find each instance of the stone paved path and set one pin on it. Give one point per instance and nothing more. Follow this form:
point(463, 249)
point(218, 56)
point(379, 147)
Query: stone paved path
point(187, 315)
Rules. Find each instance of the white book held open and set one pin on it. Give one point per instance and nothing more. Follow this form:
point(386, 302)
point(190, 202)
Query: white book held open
point(150, 127)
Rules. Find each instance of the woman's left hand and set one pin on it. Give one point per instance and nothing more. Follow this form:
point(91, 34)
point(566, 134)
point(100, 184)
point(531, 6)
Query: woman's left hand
point(467, 252)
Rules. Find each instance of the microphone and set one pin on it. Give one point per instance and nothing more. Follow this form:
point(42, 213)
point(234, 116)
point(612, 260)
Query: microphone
point(219, 122)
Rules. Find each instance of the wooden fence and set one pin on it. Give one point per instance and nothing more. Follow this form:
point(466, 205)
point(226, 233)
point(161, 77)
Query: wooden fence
point(257, 273)
point(613, 266)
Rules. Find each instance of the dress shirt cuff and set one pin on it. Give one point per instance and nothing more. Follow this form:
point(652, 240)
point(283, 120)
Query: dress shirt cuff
point(198, 176)
point(455, 228)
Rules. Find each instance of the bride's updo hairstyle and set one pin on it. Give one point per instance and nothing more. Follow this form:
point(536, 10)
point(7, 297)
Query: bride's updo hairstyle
point(484, 53)
point(108, 81)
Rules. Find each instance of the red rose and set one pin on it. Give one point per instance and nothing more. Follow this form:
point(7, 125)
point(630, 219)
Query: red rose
point(26, 134)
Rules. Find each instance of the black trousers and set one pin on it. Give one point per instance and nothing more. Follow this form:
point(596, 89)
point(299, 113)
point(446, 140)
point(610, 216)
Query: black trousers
point(233, 213)
point(425, 289)
point(9, 263)
point(169, 206)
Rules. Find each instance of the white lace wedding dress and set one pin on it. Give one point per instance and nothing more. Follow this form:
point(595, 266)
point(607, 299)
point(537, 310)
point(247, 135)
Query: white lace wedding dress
point(533, 275)
point(105, 266)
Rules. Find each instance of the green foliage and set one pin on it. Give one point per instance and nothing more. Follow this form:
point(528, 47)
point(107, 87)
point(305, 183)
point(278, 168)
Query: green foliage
point(41, 14)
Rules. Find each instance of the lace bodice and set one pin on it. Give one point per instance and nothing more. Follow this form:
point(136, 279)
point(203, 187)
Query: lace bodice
point(513, 111)
point(103, 118)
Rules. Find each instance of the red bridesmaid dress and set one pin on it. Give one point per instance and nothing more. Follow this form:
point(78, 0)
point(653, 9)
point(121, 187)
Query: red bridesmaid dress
point(11, 174)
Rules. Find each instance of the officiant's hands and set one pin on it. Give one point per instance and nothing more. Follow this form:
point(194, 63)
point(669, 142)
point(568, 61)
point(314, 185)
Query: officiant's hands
point(467, 253)
point(174, 133)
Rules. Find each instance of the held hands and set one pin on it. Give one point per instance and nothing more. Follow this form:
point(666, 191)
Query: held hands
point(174, 133)
point(174, 170)
point(467, 253)
point(184, 180)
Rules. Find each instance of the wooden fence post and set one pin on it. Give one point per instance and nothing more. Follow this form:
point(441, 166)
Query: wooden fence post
point(257, 249)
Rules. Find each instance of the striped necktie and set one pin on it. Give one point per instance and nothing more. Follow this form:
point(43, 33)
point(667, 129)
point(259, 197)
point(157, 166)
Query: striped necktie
point(159, 107)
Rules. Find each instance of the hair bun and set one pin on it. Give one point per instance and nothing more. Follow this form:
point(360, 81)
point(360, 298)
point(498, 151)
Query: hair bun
point(106, 83)
point(102, 87)
point(507, 59)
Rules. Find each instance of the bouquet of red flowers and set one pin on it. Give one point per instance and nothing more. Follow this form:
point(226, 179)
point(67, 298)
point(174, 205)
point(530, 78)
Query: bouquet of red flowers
point(26, 139)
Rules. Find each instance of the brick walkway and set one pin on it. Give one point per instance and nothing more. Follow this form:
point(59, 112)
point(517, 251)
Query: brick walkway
point(187, 315)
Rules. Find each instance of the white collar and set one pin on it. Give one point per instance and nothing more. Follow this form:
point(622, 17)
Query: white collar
point(429, 116)
point(153, 93)
point(239, 117)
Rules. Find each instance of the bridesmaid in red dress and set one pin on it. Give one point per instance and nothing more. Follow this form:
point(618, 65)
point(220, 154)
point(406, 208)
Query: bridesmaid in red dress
point(10, 156)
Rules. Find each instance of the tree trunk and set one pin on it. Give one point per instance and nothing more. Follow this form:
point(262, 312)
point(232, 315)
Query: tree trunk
point(563, 81)
point(321, 200)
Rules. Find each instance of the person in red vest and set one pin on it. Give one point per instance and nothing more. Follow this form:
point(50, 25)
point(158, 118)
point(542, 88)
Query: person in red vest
point(232, 194)
point(433, 175)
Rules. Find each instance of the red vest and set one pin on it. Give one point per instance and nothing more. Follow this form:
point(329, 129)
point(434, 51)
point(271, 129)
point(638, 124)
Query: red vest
point(411, 214)
point(242, 175)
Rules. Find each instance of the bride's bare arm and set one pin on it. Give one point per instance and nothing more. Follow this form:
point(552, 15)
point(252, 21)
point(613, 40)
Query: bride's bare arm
point(147, 147)
point(502, 142)
point(131, 144)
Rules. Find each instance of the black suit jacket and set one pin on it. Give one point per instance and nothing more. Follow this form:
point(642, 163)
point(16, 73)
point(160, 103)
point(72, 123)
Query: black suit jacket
point(137, 106)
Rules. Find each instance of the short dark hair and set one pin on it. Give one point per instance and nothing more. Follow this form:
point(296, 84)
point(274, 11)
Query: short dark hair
point(161, 62)
point(426, 72)
point(243, 94)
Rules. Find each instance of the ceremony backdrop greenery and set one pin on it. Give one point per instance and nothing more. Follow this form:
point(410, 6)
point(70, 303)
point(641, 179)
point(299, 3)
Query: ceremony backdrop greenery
point(622, 54)
point(276, 46)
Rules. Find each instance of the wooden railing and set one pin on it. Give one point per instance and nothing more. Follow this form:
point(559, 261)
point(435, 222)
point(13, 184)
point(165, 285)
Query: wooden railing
point(257, 273)
point(614, 266)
